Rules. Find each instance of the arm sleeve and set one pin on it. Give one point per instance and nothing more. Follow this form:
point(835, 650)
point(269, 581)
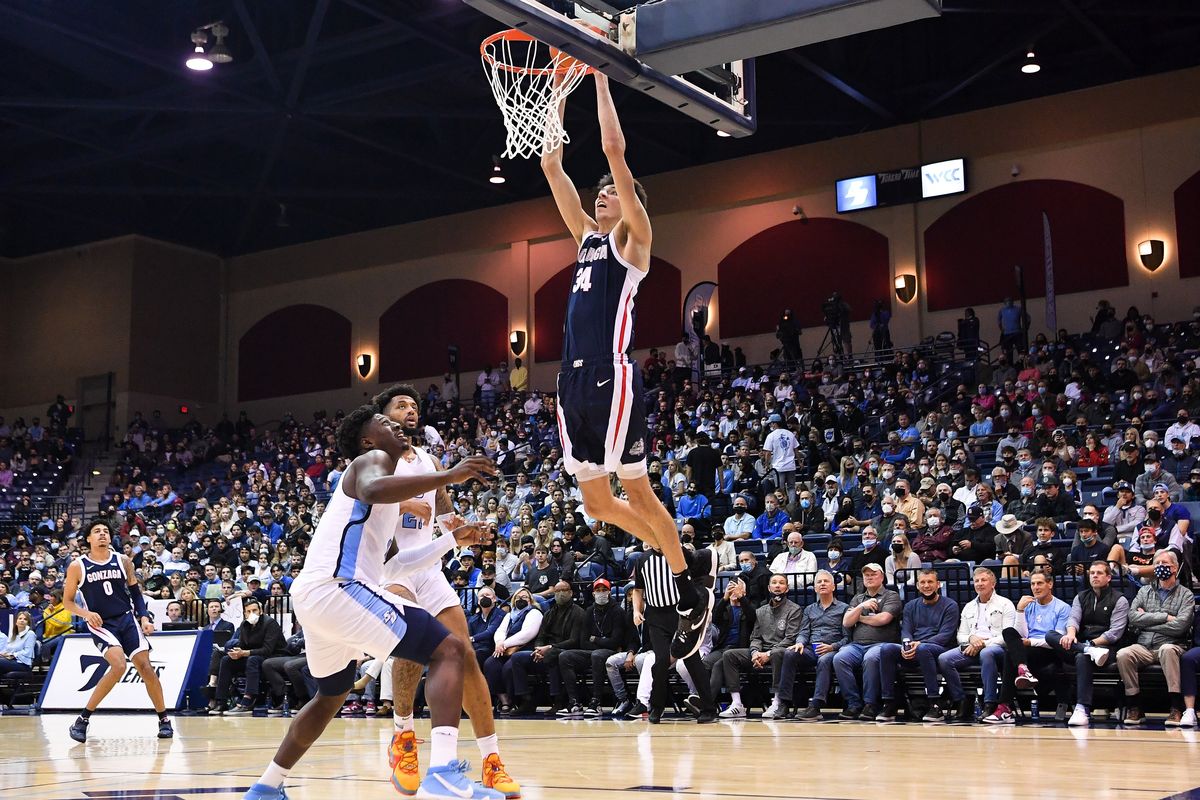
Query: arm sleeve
point(945, 634)
point(498, 635)
point(1077, 614)
point(139, 602)
point(422, 556)
point(906, 621)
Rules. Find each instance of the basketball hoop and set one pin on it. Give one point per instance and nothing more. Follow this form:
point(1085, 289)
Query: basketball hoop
point(528, 80)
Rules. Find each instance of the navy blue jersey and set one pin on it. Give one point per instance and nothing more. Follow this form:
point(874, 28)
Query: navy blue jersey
point(600, 308)
point(105, 587)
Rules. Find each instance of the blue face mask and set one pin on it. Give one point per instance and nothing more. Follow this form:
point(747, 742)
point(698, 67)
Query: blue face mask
point(1162, 572)
point(745, 566)
point(805, 503)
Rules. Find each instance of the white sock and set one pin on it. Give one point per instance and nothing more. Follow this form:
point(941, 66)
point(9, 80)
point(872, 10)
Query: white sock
point(274, 776)
point(444, 745)
point(488, 745)
point(402, 723)
point(735, 698)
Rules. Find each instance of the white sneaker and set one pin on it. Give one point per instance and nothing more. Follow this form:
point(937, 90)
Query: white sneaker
point(1189, 719)
point(733, 712)
point(774, 711)
point(1098, 654)
point(1079, 718)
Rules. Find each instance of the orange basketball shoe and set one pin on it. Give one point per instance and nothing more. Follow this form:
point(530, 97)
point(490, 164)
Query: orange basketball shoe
point(496, 777)
point(402, 758)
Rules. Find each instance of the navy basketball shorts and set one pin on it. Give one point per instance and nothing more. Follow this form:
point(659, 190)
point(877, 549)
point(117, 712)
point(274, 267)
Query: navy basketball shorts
point(123, 632)
point(602, 419)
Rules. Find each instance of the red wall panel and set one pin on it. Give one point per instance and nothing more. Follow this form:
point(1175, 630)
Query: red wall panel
point(797, 265)
point(297, 349)
point(970, 251)
point(1187, 226)
point(416, 330)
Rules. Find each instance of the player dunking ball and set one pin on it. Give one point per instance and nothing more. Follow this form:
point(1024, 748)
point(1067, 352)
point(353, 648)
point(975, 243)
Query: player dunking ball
point(345, 611)
point(431, 591)
point(601, 417)
point(111, 599)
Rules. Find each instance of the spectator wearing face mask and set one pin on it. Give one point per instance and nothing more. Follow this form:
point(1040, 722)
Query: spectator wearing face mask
point(755, 576)
point(1152, 475)
point(258, 639)
point(775, 627)
point(871, 553)
point(1185, 430)
point(1176, 519)
point(604, 634)
point(723, 549)
point(482, 625)
point(835, 560)
point(740, 524)
point(769, 524)
point(692, 505)
point(1178, 461)
point(887, 518)
point(562, 629)
point(932, 543)
point(807, 515)
point(1160, 616)
point(1090, 548)
point(1107, 533)
point(909, 505)
point(902, 558)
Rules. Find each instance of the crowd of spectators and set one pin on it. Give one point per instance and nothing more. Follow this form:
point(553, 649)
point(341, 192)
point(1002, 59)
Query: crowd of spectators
point(1037, 461)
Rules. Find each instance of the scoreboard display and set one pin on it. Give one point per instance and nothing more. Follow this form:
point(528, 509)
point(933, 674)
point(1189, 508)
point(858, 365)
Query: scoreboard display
point(900, 186)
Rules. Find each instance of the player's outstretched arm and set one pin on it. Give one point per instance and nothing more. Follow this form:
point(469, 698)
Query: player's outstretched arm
point(373, 481)
point(612, 140)
point(565, 195)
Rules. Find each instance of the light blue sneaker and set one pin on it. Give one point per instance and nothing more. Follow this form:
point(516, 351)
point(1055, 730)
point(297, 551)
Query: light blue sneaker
point(260, 791)
point(451, 781)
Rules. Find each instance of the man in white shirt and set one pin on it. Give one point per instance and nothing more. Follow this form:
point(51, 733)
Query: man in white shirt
point(795, 558)
point(779, 453)
point(980, 641)
point(741, 523)
point(1183, 429)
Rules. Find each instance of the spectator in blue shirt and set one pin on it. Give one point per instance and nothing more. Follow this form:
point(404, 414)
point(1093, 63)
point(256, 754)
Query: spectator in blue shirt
point(691, 505)
point(1042, 613)
point(927, 628)
point(270, 527)
point(906, 430)
point(769, 524)
point(16, 652)
point(137, 502)
point(982, 426)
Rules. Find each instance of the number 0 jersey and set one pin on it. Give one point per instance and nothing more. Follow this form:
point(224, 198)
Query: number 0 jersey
point(600, 307)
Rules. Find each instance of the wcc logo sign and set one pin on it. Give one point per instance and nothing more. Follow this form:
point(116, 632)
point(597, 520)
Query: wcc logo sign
point(944, 177)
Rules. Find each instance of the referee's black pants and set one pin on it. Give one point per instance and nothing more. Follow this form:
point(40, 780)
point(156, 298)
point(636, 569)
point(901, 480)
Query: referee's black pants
point(661, 623)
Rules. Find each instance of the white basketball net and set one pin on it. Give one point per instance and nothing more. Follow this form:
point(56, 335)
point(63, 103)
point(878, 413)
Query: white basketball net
point(528, 80)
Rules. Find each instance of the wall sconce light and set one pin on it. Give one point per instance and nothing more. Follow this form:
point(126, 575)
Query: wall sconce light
point(1151, 252)
point(364, 364)
point(906, 288)
point(516, 341)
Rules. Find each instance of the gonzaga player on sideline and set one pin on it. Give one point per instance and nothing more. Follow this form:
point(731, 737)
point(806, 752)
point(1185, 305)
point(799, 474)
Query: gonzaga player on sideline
point(339, 600)
point(111, 598)
point(430, 590)
point(601, 413)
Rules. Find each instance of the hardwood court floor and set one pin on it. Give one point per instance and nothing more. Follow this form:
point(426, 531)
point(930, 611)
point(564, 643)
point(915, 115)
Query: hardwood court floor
point(578, 760)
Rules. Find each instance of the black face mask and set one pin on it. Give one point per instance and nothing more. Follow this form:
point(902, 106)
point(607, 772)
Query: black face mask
point(485, 602)
point(1154, 514)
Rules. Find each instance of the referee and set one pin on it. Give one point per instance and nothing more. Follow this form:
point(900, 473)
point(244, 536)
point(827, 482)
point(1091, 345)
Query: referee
point(655, 596)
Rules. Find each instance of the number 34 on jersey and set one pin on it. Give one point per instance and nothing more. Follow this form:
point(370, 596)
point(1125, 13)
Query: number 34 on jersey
point(583, 280)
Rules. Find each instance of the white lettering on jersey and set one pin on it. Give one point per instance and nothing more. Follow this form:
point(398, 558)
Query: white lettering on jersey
point(598, 253)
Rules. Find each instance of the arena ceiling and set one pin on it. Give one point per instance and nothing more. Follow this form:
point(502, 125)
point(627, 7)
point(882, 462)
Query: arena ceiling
point(338, 116)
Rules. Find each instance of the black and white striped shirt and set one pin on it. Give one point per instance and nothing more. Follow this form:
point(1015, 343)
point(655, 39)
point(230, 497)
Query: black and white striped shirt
point(653, 576)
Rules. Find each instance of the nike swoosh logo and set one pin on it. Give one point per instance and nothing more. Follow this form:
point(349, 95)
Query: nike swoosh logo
point(464, 793)
point(601, 383)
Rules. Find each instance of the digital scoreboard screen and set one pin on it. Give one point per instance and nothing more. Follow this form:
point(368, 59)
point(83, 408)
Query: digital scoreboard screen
point(900, 186)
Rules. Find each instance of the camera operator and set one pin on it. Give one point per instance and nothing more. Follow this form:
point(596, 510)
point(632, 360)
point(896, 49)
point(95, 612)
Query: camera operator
point(788, 334)
point(837, 316)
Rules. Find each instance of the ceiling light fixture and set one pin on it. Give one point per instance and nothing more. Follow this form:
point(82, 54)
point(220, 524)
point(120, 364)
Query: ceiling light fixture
point(217, 54)
point(198, 60)
point(1031, 65)
point(723, 134)
point(497, 177)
